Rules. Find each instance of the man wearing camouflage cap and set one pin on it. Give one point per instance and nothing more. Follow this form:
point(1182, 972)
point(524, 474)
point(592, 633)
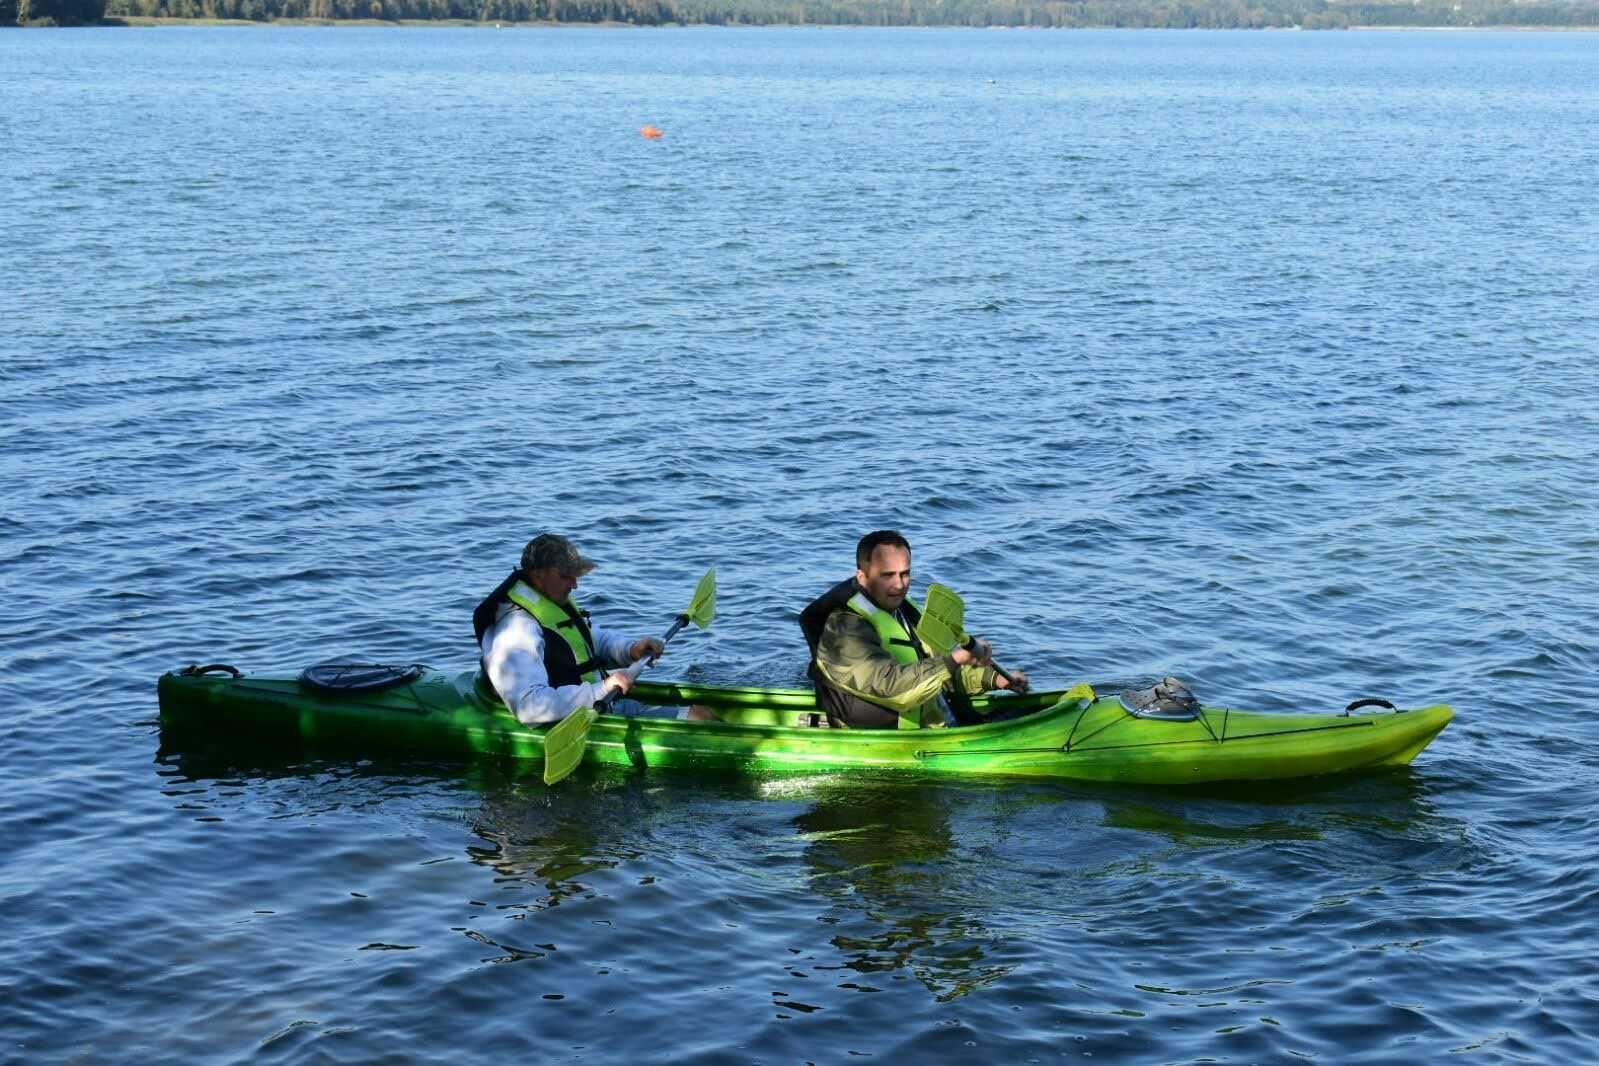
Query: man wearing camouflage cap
point(540, 654)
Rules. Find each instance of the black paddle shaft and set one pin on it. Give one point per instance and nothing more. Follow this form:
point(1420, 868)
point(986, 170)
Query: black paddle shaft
point(677, 627)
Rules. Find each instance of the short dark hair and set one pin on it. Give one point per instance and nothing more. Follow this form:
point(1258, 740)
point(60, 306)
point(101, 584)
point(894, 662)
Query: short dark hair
point(876, 539)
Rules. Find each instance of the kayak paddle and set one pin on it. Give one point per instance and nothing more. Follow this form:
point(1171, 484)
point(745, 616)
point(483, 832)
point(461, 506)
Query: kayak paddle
point(566, 741)
point(943, 625)
point(701, 609)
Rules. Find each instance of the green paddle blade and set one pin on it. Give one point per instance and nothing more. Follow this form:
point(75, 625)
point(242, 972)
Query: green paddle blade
point(565, 743)
point(702, 608)
point(943, 623)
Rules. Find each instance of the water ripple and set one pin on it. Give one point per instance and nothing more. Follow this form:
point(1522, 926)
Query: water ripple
point(1270, 397)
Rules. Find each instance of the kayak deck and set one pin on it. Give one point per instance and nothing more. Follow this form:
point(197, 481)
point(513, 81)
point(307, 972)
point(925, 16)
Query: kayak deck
point(1068, 735)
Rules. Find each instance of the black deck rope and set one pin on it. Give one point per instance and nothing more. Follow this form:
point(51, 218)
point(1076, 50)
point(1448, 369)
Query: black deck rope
point(1067, 747)
point(1072, 735)
point(1246, 736)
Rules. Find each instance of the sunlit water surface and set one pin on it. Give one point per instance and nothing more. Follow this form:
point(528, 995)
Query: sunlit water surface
point(1264, 359)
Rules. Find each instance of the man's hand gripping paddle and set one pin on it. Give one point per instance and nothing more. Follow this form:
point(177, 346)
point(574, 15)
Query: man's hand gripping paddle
point(566, 741)
point(943, 626)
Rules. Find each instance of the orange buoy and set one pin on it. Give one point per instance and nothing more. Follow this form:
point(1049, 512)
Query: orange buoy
point(652, 132)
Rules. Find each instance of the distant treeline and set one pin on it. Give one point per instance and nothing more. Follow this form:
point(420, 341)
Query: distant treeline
point(51, 12)
point(1172, 14)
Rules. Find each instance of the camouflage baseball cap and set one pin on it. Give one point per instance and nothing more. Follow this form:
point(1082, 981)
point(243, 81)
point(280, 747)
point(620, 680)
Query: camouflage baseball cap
point(548, 549)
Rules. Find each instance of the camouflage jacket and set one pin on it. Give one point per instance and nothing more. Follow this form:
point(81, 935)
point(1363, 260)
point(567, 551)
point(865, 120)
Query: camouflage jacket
point(852, 659)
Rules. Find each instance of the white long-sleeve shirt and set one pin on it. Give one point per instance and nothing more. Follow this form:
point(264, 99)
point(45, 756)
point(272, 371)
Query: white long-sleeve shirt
point(513, 656)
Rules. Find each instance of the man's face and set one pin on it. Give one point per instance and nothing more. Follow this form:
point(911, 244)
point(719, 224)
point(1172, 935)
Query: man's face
point(887, 577)
point(549, 582)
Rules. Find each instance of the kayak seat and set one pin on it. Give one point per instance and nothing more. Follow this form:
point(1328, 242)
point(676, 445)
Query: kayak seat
point(341, 678)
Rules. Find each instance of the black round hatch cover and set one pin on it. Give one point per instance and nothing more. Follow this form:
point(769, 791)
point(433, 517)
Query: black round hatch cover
point(341, 676)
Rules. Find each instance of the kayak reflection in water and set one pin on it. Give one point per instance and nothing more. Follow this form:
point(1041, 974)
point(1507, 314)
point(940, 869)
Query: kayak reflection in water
point(897, 887)
point(871, 669)
point(541, 656)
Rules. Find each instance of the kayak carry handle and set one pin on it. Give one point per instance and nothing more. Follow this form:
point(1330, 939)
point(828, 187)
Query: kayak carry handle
point(193, 670)
point(1368, 702)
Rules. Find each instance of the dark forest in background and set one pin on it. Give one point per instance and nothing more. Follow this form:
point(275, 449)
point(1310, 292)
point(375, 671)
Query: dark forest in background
point(1172, 14)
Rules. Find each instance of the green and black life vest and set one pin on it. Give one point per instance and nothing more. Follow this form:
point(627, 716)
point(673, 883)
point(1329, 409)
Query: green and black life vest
point(902, 645)
point(891, 630)
point(569, 653)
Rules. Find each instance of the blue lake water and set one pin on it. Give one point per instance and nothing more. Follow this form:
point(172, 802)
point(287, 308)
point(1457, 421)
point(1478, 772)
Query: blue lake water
point(1263, 359)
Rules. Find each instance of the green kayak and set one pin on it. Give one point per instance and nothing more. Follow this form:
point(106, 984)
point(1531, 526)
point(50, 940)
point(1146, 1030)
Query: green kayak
point(1068, 735)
